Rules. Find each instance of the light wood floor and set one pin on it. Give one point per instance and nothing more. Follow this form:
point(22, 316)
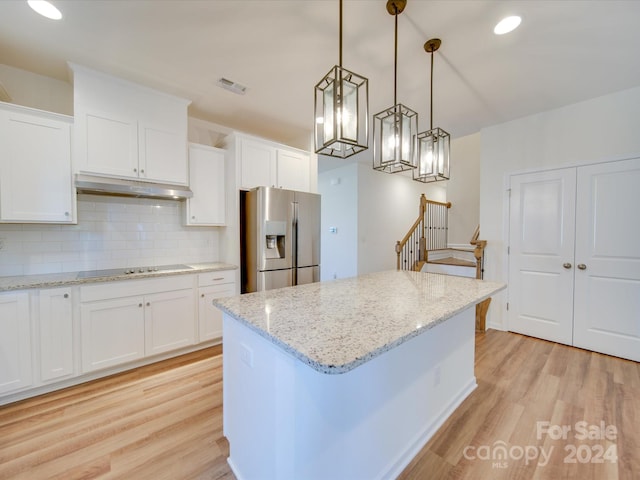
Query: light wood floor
point(164, 421)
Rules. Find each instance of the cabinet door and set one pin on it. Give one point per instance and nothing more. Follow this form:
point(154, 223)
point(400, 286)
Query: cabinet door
point(206, 174)
point(15, 342)
point(162, 155)
point(169, 321)
point(257, 164)
point(293, 170)
point(56, 334)
point(210, 317)
point(112, 332)
point(35, 169)
point(111, 145)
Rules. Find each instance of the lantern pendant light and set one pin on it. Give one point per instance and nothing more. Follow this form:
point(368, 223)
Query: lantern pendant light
point(394, 129)
point(341, 111)
point(433, 145)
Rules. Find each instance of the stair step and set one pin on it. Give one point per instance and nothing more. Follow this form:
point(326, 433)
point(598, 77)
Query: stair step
point(453, 261)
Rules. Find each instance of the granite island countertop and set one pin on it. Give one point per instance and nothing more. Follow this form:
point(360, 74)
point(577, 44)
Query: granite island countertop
point(338, 325)
point(21, 282)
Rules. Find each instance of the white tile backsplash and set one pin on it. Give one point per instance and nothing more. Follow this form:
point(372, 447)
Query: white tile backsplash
point(112, 232)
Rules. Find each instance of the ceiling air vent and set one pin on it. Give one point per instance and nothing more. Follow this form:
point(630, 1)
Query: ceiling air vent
point(231, 86)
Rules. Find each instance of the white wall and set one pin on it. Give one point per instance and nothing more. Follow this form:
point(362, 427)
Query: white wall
point(463, 190)
point(600, 129)
point(339, 251)
point(387, 206)
point(112, 232)
point(371, 211)
point(36, 91)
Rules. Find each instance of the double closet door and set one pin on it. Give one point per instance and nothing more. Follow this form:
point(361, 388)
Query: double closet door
point(574, 262)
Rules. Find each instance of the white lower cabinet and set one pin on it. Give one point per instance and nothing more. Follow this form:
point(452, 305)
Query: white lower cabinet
point(112, 332)
point(56, 334)
point(128, 320)
point(15, 342)
point(52, 338)
point(169, 321)
point(213, 285)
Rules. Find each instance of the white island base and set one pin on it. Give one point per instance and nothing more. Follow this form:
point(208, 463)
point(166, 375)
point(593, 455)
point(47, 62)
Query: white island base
point(285, 420)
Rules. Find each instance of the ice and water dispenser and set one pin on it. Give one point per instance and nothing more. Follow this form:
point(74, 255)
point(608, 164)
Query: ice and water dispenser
point(275, 239)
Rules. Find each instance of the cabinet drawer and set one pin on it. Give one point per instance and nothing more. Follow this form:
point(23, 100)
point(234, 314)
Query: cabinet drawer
point(216, 277)
point(129, 288)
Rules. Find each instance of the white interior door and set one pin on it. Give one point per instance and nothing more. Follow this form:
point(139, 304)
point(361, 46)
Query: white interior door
point(542, 220)
point(607, 281)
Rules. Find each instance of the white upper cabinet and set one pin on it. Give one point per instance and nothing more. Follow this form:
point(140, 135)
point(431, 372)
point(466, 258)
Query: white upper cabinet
point(263, 163)
point(127, 130)
point(207, 181)
point(110, 144)
point(35, 166)
point(257, 163)
point(293, 170)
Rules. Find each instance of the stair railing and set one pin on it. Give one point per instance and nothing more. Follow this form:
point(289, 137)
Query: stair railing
point(428, 232)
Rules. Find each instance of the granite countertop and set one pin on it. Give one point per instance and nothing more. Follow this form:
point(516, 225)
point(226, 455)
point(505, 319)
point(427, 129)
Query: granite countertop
point(21, 282)
point(338, 325)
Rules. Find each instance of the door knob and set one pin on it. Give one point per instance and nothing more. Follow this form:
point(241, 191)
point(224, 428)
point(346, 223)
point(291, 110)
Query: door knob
point(566, 265)
point(582, 266)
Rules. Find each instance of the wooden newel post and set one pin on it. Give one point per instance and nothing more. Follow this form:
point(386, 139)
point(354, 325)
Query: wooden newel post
point(398, 250)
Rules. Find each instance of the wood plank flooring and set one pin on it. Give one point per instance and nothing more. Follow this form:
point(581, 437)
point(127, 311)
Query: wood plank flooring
point(161, 421)
point(523, 381)
point(164, 421)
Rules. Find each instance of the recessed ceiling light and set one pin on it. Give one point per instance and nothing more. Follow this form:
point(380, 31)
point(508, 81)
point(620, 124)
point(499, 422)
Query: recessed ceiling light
point(45, 9)
point(507, 25)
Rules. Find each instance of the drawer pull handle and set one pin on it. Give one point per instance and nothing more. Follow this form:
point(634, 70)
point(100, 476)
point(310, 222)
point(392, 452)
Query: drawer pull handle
point(139, 305)
point(202, 295)
point(148, 304)
point(218, 278)
point(66, 295)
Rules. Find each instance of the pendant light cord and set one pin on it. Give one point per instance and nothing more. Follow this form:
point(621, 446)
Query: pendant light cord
point(431, 97)
point(395, 60)
point(340, 36)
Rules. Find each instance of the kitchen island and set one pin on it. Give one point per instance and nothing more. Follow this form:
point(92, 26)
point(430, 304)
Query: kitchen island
point(345, 379)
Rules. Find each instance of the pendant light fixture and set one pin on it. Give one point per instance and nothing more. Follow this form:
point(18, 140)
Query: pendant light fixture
point(341, 111)
point(394, 128)
point(432, 145)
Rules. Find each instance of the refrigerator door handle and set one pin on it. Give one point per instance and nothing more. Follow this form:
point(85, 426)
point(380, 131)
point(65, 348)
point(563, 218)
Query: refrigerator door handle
point(294, 242)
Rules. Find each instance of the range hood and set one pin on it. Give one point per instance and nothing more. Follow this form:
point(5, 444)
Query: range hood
point(130, 188)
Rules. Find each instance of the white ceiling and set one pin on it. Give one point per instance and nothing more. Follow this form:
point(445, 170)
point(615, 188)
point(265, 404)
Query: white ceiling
point(564, 52)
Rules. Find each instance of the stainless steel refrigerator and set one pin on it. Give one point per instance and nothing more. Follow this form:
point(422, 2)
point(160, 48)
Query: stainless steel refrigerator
point(281, 238)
